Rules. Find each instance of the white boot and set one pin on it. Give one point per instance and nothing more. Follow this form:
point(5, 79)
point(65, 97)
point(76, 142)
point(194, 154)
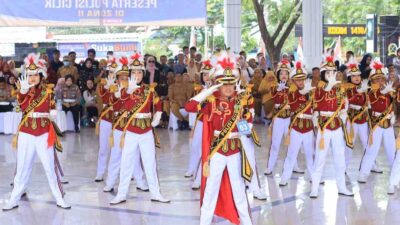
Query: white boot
point(283, 183)
point(391, 190)
point(362, 178)
point(260, 195)
point(160, 198)
point(64, 180)
point(62, 204)
point(376, 169)
point(108, 189)
point(10, 206)
point(117, 200)
point(144, 188)
point(267, 172)
point(346, 192)
point(98, 178)
point(187, 174)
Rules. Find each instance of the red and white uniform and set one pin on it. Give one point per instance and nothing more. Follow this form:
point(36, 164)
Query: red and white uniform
point(357, 102)
point(301, 134)
point(280, 126)
point(227, 159)
point(383, 132)
point(326, 103)
point(139, 143)
point(33, 140)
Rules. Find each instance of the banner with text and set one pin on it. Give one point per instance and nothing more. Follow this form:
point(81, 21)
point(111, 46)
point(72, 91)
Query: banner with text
point(103, 13)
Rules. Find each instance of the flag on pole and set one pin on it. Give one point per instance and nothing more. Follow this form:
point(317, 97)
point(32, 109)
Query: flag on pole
point(193, 39)
point(300, 49)
point(338, 49)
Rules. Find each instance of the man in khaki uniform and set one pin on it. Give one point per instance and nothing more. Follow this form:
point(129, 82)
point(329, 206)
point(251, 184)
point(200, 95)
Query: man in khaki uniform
point(179, 93)
point(68, 69)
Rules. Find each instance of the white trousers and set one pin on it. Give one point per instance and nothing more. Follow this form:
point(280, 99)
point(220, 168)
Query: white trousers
point(28, 147)
point(334, 140)
point(362, 131)
point(104, 147)
point(184, 112)
point(395, 173)
point(218, 163)
point(248, 146)
point(389, 142)
point(280, 128)
point(115, 163)
point(195, 149)
point(297, 140)
point(136, 146)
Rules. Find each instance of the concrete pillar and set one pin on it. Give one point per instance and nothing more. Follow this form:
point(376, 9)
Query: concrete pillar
point(232, 24)
point(312, 33)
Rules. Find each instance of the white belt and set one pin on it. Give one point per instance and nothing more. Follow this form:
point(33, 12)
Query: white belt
point(377, 114)
point(356, 107)
point(4, 103)
point(142, 115)
point(326, 113)
point(232, 135)
point(69, 100)
point(277, 106)
point(38, 115)
point(304, 116)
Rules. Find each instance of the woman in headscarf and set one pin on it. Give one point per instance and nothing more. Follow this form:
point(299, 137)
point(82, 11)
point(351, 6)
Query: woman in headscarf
point(365, 66)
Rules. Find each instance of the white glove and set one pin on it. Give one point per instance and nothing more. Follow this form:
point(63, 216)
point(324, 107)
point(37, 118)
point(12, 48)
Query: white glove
point(315, 119)
point(343, 115)
point(281, 86)
point(53, 114)
point(156, 119)
point(132, 85)
point(364, 87)
point(392, 119)
point(253, 113)
point(110, 81)
point(388, 88)
point(307, 87)
point(331, 82)
point(25, 86)
point(117, 94)
point(200, 97)
point(238, 88)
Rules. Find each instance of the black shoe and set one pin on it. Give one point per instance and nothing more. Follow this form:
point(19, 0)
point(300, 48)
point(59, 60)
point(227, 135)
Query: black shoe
point(186, 125)
point(77, 130)
point(180, 125)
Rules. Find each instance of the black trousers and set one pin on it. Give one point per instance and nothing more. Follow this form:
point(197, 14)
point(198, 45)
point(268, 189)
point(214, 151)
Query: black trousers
point(92, 111)
point(6, 108)
point(75, 110)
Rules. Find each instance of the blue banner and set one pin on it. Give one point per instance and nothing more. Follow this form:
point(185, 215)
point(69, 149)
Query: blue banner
point(119, 48)
point(103, 12)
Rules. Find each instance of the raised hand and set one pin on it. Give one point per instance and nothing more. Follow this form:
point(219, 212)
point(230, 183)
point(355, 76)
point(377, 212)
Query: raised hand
point(307, 87)
point(364, 87)
point(109, 81)
point(281, 86)
point(388, 88)
point(24, 84)
point(118, 93)
point(206, 92)
point(132, 85)
point(331, 82)
point(238, 88)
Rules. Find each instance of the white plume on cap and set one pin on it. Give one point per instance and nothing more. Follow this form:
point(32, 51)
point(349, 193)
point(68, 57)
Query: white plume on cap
point(33, 64)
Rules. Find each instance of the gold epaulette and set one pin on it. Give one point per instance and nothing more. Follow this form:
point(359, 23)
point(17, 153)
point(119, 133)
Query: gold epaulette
point(153, 85)
point(347, 85)
point(113, 88)
point(103, 81)
point(211, 98)
point(321, 84)
point(249, 87)
point(374, 87)
point(292, 88)
point(49, 88)
point(196, 87)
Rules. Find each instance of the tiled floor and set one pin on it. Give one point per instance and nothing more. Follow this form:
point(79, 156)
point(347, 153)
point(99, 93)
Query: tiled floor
point(285, 206)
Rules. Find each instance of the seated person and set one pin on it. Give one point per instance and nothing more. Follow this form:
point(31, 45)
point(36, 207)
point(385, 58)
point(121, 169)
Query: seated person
point(5, 96)
point(70, 96)
point(89, 95)
point(178, 94)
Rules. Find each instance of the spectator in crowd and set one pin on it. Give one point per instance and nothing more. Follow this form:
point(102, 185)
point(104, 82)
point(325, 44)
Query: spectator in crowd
point(343, 67)
point(265, 91)
point(171, 63)
point(185, 50)
point(243, 54)
point(245, 70)
point(341, 77)
point(256, 81)
point(396, 62)
point(12, 81)
point(13, 70)
point(262, 63)
point(5, 96)
point(68, 69)
point(72, 57)
point(178, 94)
point(6, 72)
point(162, 92)
point(70, 96)
point(110, 54)
point(91, 54)
point(315, 76)
point(152, 74)
point(180, 66)
point(365, 66)
point(193, 70)
point(102, 69)
point(292, 60)
point(253, 63)
point(1, 62)
point(87, 72)
point(91, 109)
point(51, 74)
point(55, 64)
point(164, 66)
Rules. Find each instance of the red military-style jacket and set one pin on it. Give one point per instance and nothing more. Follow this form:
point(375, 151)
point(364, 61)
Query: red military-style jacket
point(36, 126)
point(327, 101)
point(107, 98)
point(279, 98)
point(356, 100)
point(152, 105)
point(380, 103)
point(219, 111)
point(299, 102)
